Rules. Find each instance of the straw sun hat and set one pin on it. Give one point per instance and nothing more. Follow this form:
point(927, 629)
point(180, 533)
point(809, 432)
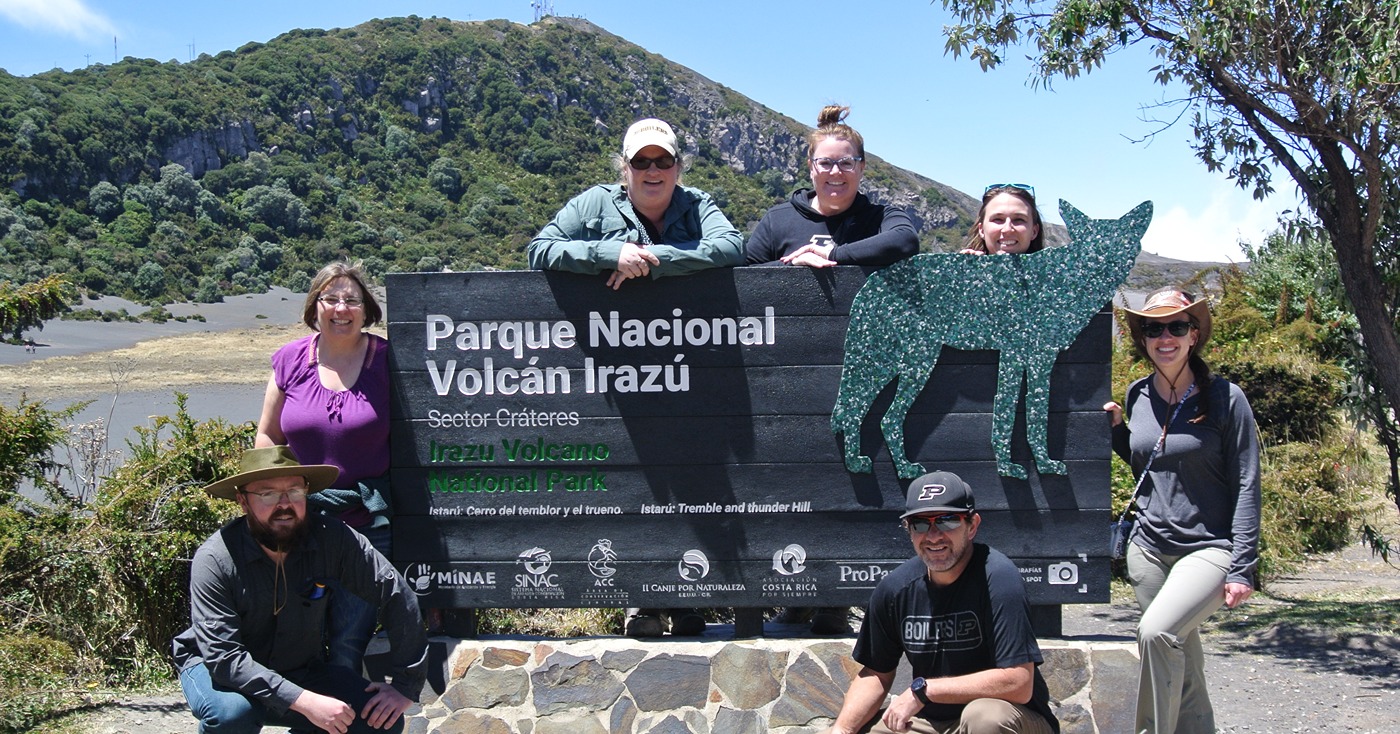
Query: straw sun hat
point(1170, 302)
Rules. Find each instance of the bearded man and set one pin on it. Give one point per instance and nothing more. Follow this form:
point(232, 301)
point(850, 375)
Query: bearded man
point(957, 612)
point(255, 652)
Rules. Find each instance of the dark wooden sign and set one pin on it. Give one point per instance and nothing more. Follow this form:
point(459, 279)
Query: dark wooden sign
point(669, 444)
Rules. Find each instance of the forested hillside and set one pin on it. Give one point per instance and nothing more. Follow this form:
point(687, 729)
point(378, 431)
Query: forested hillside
point(413, 144)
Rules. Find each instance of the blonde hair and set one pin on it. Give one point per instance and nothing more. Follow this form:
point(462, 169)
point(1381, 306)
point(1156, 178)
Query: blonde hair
point(830, 125)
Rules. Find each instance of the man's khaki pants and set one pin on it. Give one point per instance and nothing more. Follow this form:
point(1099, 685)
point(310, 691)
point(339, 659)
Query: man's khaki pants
point(983, 716)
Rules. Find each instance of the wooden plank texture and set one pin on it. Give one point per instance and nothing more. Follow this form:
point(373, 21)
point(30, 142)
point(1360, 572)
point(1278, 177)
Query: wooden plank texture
point(532, 467)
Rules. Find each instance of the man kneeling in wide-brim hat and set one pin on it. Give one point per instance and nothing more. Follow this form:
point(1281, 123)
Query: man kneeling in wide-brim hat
point(259, 590)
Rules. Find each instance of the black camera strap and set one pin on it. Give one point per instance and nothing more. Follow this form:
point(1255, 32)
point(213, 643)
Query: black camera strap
point(1161, 443)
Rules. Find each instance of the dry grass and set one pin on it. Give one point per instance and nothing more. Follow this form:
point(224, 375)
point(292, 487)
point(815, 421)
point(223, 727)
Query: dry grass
point(238, 357)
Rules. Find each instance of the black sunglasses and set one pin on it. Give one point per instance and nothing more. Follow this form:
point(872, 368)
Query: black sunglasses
point(947, 523)
point(1154, 329)
point(663, 162)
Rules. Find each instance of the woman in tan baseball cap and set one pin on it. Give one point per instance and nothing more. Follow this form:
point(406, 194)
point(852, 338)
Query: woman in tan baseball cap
point(1191, 440)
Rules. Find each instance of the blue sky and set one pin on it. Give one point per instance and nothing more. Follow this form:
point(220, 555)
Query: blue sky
point(916, 107)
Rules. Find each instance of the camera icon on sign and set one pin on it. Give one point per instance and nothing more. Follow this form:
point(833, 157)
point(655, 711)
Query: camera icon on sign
point(1062, 573)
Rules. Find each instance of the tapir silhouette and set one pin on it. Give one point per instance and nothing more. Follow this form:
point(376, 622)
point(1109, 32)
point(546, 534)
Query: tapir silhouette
point(1029, 307)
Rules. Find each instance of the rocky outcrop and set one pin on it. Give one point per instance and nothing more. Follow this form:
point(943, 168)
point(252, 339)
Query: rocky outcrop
point(208, 150)
point(750, 137)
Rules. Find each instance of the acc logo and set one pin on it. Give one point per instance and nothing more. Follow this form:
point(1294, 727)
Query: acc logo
point(791, 560)
point(693, 565)
point(929, 491)
point(537, 560)
point(601, 559)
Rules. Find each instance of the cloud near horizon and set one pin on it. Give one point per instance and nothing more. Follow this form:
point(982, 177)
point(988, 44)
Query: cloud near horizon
point(1213, 234)
point(62, 17)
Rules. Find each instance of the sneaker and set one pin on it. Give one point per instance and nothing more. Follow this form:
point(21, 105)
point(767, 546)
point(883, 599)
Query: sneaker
point(687, 623)
point(644, 623)
point(831, 621)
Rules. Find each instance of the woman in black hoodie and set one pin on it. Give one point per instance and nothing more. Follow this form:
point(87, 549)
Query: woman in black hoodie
point(832, 223)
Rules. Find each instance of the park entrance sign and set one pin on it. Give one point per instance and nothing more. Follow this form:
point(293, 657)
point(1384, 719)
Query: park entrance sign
point(670, 444)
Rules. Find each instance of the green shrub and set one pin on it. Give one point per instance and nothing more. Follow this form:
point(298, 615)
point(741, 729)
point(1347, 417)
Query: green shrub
point(110, 580)
point(154, 516)
point(550, 622)
point(37, 675)
point(28, 433)
point(1294, 398)
point(1312, 496)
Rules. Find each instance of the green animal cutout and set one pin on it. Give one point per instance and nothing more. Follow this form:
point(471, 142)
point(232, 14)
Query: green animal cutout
point(1029, 307)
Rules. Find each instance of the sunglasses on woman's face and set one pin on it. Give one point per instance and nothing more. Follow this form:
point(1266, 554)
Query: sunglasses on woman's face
point(1154, 329)
point(663, 162)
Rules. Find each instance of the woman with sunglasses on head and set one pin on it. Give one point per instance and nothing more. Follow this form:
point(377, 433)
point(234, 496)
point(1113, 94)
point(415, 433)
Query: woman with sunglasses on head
point(1195, 545)
point(1008, 222)
point(832, 223)
point(647, 225)
point(328, 400)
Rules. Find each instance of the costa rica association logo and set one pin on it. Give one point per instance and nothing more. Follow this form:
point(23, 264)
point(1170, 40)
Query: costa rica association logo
point(791, 560)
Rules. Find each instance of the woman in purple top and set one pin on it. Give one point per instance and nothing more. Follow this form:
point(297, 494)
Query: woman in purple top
point(328, 400)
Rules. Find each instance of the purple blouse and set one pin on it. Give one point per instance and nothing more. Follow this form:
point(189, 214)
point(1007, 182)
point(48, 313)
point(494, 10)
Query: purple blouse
point(348, 429)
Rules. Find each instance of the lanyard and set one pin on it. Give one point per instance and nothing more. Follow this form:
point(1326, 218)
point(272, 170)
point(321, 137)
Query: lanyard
point(1161, 443)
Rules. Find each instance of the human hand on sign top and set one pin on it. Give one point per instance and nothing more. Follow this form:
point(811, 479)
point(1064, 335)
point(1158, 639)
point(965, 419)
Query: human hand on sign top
point(632, 262)
point(813, 256)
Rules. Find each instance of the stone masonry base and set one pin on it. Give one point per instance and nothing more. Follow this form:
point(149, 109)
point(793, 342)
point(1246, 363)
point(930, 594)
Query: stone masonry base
point(792, 686)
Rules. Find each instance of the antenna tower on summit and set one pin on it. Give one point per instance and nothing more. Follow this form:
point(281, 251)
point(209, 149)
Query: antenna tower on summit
point(543, 9)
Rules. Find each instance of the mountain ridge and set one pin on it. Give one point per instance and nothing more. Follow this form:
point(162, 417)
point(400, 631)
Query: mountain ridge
point(408, 143)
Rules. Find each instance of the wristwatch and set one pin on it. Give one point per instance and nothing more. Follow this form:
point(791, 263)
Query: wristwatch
point(920, 687)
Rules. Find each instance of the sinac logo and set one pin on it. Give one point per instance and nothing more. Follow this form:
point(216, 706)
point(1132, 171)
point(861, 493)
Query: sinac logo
point(693, 565)
point(536, 560)
point(601, 559)
point(791, 560)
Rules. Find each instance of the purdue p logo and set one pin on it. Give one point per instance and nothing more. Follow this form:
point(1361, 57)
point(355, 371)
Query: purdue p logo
point(931, 490)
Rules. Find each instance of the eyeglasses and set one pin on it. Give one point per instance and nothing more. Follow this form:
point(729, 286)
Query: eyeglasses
point(1154, 329)
point(663, 162)
point(947, 523)
point(829, 165)
point(272, 499)
point(332, 301)
point(1029, 189)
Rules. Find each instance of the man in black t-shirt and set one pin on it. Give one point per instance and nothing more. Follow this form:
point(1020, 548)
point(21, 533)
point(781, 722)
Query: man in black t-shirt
point(958, 612)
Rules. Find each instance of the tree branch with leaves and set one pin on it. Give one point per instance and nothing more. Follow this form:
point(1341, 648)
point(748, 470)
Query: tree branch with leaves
point(1311, 87)
point(29, 306)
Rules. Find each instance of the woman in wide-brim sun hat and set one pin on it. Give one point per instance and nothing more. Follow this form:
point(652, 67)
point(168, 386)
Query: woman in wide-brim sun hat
point(1195, 545)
